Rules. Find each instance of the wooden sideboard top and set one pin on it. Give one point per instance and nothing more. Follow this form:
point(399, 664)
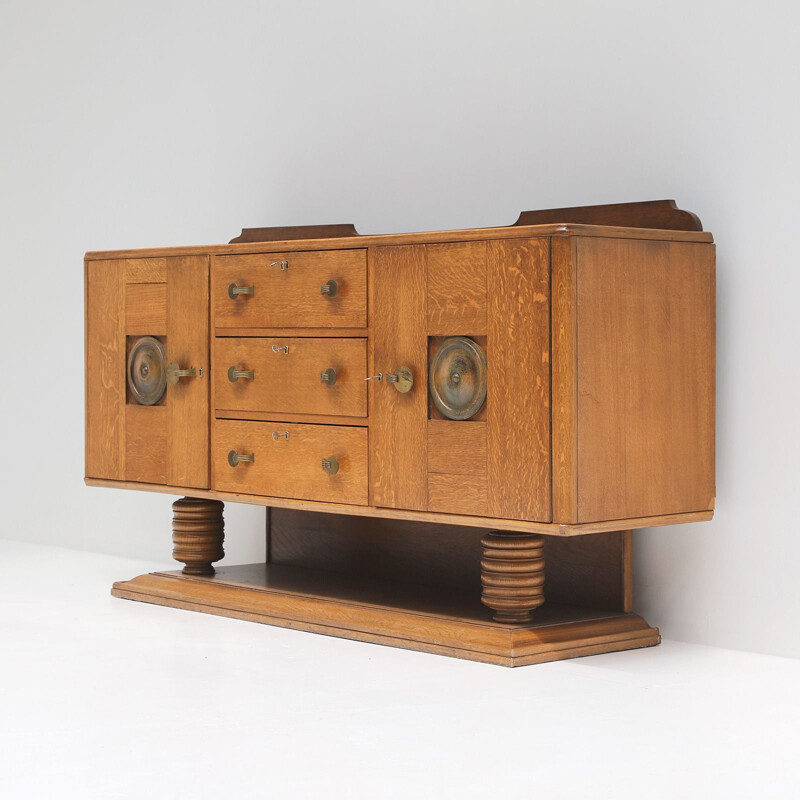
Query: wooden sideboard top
point(659, 220)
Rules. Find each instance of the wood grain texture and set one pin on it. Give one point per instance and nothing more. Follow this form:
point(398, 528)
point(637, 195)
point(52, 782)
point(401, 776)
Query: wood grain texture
point(518, 398)
point(398, 434)
point(291, 298)
point(146, 309)
point(645, 378)
point(497, 523)
point(146, 270)
point(512, 575)
point(105, 370)
point(457, 289)
point(187, 345)
point(457, 448)
point(290, 382)
point(405, 239)
point(146, 443)
point(198, 531)
point(292, 467)
point(564, 376)
point(458, 494)
point(398, 615)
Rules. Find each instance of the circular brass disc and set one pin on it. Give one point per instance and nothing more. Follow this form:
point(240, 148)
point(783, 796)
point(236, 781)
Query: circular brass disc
point(147, 370)
point(457, 377)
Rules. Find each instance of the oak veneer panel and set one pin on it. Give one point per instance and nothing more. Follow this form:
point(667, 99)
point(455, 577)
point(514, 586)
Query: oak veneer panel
point(187, 344)
point(145, 270)
point(292, 467)
point(518, 397)
point(105, 370)
point(564, 351)
point(291, 298)
point(457, 289)
point(290, 382)
point(645, 378)
point(146, 309)
point(398, 440)
point(458, 494)
point(146, 443)
point(457, 447)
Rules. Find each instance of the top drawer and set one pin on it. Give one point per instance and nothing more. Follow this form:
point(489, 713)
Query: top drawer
point(318, 289)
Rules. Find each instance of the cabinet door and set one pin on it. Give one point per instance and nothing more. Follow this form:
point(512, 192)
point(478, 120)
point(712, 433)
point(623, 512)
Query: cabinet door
point(163, 298)
point(497, 463)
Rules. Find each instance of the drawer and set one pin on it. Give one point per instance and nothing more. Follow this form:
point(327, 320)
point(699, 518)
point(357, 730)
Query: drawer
point(287, 375)
point(287, 460)
point(285, 290)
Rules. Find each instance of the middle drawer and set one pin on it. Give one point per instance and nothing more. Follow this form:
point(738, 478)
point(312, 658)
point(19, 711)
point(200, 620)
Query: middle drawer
point(291, 375)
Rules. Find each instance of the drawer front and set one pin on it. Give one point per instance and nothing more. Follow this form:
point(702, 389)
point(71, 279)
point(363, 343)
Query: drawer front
point(285, 290)
point(287, 375)
point(292, 466)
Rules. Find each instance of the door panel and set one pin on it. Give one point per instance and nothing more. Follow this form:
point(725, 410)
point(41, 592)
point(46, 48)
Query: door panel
point(498, 462)
point(167, 299)
point(398, 437)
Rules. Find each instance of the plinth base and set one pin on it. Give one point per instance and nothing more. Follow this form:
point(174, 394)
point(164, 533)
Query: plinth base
point(406, 615)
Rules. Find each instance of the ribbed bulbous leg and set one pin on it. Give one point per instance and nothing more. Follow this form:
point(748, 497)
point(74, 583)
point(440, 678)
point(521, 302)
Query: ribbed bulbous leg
point(198, 531)
point(512, 575)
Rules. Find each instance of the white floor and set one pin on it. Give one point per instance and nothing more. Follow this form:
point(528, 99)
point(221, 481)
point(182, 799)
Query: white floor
point(106, 698)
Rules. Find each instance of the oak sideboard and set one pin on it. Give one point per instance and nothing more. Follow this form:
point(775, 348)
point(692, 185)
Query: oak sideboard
point(453, 433)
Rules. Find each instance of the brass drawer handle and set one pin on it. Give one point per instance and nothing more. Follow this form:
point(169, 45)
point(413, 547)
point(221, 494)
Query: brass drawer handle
point(284, 435)
point(328, 376)
point(330, 465)
point(284, 265)
point(234, 374)
point(276, 348)
point(234, 291)
point(235, 458)
point(329, 288)
point(175, 373)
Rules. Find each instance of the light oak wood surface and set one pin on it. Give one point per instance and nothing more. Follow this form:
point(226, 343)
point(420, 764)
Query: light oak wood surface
point(292, 467)
point(291, 297)
point(645, 378)
point(289, 382)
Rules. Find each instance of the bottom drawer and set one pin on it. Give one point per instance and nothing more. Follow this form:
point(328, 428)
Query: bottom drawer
point(287, 460)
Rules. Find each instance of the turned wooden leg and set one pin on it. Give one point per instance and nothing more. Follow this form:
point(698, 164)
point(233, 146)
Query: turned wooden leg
point(197, 534)
point(512, 575)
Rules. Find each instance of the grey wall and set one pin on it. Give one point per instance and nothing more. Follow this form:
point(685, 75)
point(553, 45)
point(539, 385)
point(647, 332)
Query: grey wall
point(148, 124)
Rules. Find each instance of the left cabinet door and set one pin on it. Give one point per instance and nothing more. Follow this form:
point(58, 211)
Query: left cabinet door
point(143, 315)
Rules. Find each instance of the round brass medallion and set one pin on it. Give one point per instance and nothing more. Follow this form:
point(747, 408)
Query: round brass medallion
point(147, 370)
point(457, 378)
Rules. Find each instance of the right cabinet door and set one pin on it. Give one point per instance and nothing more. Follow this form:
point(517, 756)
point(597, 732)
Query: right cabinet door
point(495, 463)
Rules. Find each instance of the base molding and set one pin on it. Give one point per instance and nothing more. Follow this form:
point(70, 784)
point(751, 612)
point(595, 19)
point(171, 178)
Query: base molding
point(410, 616)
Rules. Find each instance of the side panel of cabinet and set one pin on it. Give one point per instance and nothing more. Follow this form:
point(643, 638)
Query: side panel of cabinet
point(167, 299)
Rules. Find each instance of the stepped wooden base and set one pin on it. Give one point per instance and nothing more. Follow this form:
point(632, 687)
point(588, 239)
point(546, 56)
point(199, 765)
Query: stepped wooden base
point(412, 616)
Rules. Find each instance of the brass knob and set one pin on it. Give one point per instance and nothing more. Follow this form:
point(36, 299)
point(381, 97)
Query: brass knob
point(329, 288)
point(175, 373)
point(330, 465)
point(235, 458)
point(402, 379)
point(234, 291)
point(328, 376)
point(234, 374)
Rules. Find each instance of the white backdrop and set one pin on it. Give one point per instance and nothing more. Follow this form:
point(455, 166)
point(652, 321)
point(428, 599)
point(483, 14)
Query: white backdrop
point(158, 123)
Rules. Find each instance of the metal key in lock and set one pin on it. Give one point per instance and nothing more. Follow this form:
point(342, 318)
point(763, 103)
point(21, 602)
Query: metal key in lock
point(402, 379)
